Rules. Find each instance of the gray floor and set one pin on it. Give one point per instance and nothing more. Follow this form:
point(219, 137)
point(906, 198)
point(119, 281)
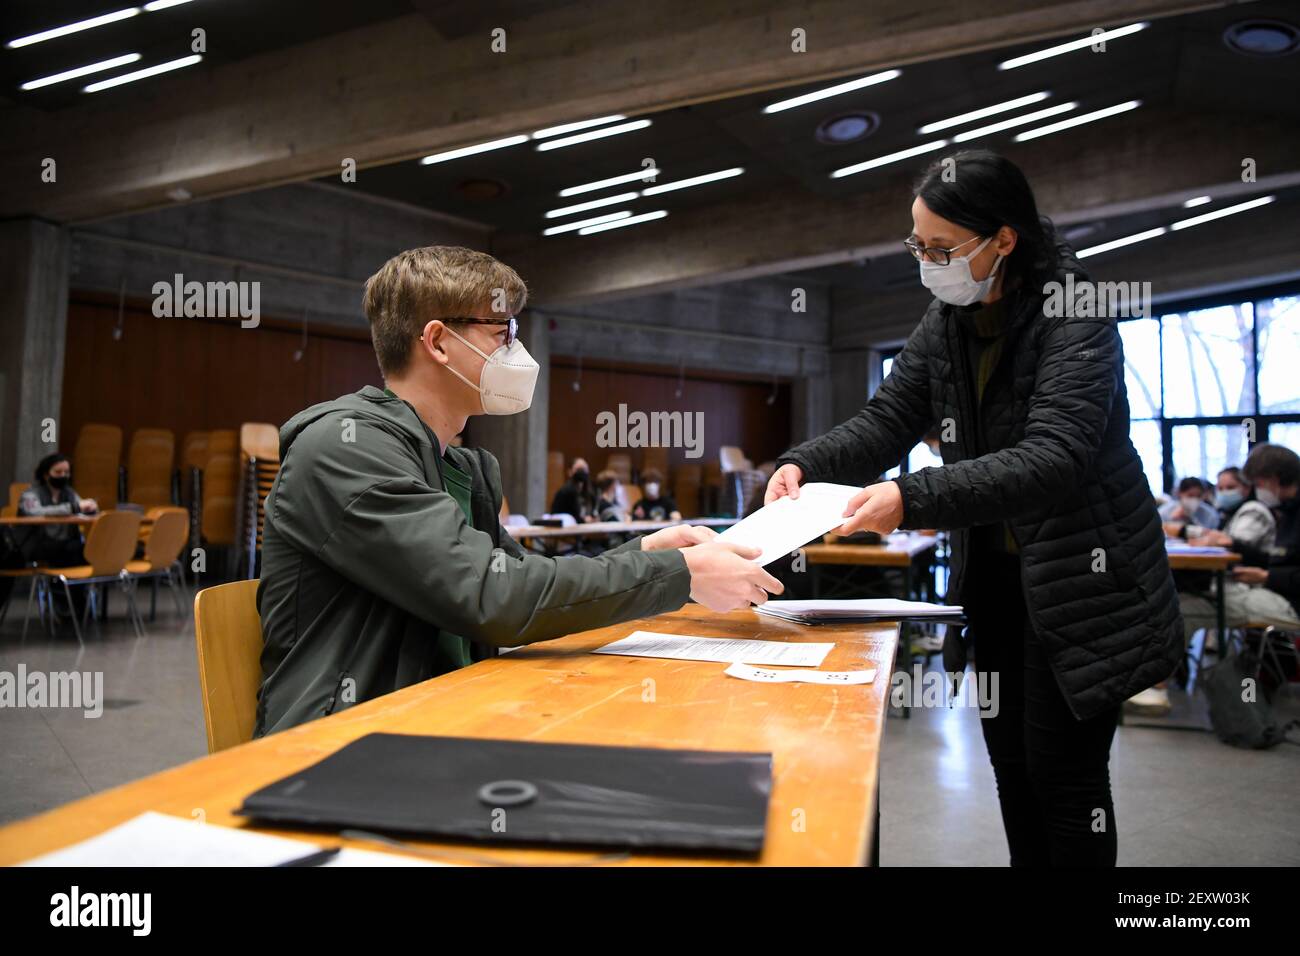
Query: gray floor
point(1182, 798)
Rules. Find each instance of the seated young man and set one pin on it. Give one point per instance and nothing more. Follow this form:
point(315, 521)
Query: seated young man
point(383, 559)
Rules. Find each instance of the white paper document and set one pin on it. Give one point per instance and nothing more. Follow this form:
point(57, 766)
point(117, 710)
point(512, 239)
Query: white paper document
point(157, 839)
point(764, 676)
point(682, 647)
point(860, 609)
point(790, 523)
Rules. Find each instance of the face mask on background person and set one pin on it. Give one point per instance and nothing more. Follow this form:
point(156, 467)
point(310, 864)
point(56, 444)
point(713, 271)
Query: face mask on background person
point(1228, 498)
point(1190, 503)
point(60, 483)
point(954, 283)
point(652, 489)
point(1267, 497)
point(506, 383)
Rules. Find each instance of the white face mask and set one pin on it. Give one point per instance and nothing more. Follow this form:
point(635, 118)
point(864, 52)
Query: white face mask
point(953, 283)
point(652, 490)
point(1266, 497)
point(506, 383)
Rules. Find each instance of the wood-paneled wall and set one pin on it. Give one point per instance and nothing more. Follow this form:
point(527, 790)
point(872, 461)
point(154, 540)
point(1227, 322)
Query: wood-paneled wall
point(195, 374)
point(736, 410)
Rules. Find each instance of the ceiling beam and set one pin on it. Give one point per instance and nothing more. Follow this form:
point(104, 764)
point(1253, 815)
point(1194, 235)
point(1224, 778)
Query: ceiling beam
point(1143, 160)
point(398, 90)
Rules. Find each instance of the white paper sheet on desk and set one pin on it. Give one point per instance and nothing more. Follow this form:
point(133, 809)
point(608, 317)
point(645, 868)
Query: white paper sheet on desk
point(157, 839)
point(683, 647)
point(790, 523)
point(801, 676)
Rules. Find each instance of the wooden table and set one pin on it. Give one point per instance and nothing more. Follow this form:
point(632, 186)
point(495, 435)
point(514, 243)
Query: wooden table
point(83, 520)
point(825, 740)
point(900, 552)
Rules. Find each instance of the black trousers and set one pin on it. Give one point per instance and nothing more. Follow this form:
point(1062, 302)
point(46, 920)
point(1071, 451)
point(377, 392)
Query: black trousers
point(1052, 770)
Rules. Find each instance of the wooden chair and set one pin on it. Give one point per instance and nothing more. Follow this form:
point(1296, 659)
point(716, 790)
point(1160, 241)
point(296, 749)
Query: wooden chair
point(162, 555)
point(16, 489)
point(228, 635)
point(656, 458)
point(110, 543)
point(149, 466)
point(96, 460)
point(259, 446)
point(686, 489)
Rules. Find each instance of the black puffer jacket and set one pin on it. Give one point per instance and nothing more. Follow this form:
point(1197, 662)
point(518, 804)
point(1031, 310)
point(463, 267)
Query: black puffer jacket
point(1048, 453)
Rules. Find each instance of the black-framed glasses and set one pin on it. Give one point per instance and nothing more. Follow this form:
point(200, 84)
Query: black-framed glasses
point(933, 253)
point(510, 322)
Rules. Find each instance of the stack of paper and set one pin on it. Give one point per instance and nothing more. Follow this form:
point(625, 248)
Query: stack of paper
point(861, 610)
point(790, 523)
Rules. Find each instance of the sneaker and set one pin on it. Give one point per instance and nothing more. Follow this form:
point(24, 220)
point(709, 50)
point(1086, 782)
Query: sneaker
point(1152, 702)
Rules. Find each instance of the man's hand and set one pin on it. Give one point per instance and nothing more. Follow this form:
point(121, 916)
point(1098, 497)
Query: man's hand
point(877, 508)
point(724, 576)
point(1249, 575)
point(679, 536)
point(784, 481)
point(1173, 529)
point(1212, 539)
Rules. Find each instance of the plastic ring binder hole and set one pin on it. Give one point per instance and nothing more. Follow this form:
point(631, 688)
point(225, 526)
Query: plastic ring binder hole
point(507, 793)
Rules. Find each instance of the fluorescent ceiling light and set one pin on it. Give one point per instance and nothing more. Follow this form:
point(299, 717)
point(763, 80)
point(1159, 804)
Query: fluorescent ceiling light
point(73, 28)
point(80, 71)
point(996, 108)
point(153, 5)
point(1013, 122)
point(1225, 211)
point(1078, 44)
point(1196, 201)
point(642, 175)
point(591, 204)
point(1077, 120)
point(573, 127)
point(693, 181)
point(471, 150)
point(1119, 243)
point(889, 158)
point(620, 223)
point(584, 223)
point(143, 74)
point(851, 85)
point(594, 134)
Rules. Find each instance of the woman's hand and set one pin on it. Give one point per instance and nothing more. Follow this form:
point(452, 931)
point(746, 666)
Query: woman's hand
point(1249, 575)
point(679, 536)
point(877, 508)
point(784, 481)
point(1212, 539)
point(88, 506)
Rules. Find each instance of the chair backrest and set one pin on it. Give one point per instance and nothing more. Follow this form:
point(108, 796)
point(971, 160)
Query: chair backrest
point(16, 489)
point(194, 450)
point(228, 635)
point(9, 511)
point(95, 462)
point(554, 474)
point(223, 441)
point(171, 528)
point(656, 458)
point(220, 487)
point(260, 440)
point(111, 541)
point(686, 489)
point(149, 466)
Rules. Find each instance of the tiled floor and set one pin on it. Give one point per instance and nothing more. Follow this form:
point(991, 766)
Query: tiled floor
point(1182, 798)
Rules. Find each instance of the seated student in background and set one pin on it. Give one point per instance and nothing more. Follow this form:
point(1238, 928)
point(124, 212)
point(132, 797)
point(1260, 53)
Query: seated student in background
point(384, 562)
point(654, 505)
point(52, 494)
point(607, 488)
point(576, 496)
point(1188, 514)
point(1247, 524)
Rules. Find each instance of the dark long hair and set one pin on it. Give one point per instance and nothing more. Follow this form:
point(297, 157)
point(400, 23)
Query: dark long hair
point(45, 464)
point(986, 192)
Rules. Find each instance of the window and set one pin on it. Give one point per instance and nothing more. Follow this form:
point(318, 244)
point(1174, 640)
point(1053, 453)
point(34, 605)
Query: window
point(1205, 381)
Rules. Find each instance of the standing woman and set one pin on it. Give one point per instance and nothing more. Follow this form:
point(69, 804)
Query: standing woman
point(1057, 551)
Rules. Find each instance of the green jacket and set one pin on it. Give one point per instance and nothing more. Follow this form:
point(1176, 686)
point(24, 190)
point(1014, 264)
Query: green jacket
point(372, 577)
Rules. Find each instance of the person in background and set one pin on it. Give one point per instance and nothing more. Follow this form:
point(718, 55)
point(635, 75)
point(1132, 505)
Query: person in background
point(654, 504)
point(1247, 524)
point(576, 496)
point(1189, 514)
point(607, 488)
point(52, 494)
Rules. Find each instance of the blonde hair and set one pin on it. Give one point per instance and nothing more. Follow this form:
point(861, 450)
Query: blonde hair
point(434, 282)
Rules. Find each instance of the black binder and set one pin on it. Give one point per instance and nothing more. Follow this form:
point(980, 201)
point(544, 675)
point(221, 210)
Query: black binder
point(515, 791)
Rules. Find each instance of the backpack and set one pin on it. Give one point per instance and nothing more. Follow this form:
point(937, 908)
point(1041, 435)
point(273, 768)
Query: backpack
point(1237, 722)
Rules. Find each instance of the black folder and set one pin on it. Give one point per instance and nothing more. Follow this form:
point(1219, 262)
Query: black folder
point(515, 791)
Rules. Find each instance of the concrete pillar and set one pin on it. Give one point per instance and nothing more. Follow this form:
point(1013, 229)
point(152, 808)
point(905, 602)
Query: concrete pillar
point(851, 381)
point(520, 441)
point(810, 411)
point(34, 262)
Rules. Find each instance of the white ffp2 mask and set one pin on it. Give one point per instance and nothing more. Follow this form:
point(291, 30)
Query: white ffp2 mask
point(953, 283)
point(505, 386)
